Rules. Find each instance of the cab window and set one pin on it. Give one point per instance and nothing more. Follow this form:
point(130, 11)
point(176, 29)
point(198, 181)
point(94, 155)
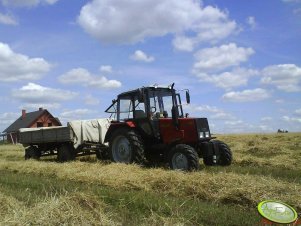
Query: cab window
point(126, 109)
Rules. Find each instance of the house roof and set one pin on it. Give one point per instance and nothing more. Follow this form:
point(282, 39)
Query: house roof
point(25, 122)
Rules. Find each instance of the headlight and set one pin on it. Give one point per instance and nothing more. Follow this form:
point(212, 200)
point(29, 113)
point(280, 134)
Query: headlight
point(207, 134)
point(201, 135)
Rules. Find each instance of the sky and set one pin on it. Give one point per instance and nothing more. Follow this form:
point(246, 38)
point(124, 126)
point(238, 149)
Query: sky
point(241, 60)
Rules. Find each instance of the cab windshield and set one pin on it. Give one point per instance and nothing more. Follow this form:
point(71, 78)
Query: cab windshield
point(161, 102)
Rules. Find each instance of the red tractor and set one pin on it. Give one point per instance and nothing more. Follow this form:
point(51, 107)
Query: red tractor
point(149, 122)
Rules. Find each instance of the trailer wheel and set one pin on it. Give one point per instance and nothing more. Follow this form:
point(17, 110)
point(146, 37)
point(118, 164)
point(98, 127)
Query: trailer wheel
point(102, 154)
point(183, 157)
point(126, 146)
point(32, 152)
point(66, 152)
point(223, 154)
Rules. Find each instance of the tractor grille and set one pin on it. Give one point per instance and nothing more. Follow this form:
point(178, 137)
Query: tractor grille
point(203, 128)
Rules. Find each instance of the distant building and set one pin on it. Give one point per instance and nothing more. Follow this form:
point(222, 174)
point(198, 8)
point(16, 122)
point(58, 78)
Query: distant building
point(40, 118)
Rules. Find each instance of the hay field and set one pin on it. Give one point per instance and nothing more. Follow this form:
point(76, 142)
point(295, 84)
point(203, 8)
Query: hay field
point(91, 192)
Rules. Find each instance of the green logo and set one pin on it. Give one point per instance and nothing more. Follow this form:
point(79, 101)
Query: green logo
point(277, 212)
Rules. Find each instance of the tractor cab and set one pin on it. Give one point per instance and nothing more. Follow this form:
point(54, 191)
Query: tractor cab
point(158, 115)
point(147, 102)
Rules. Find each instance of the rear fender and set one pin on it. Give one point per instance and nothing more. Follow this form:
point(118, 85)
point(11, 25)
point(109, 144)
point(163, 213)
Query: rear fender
point(118, 125)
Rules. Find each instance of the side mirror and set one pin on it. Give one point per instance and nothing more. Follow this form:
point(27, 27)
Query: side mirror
point(187, 97)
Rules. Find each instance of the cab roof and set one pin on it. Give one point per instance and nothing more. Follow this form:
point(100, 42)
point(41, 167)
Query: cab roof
point(152, 88)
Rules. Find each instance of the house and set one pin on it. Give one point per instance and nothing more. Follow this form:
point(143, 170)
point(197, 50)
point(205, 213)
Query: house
point(40, 118)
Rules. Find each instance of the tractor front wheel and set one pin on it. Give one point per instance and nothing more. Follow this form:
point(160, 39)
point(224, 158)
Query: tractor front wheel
point(217, 153)
point(183, 157)
point(225, 157)
point(126, 146)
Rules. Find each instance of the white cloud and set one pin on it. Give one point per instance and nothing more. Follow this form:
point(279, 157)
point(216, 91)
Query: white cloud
point(77, 114)
point(27, 3)
point(90, 100)
point(7, 118)
point(106, 69)
point(252, 22)
point(211, 112)
point(103, 82)
point(76, 75)
point(296, 3)
point(207, 108)
point(298, 112)
point(84, 77)
point(219, 58)
point(184, 43)
point(227, 80)
point(7, 19)
point(291, 119)
point(141, 56)
point(238, 126)
point(266, 128)
point(234, 122)
point(115, 21)
point(247, 95)
point(291, 1)
point(36, 94)
point(266, 119)
point(36, 106)
point(286, 77)
point(279, 101)
point(212, 25)
point(16, 67)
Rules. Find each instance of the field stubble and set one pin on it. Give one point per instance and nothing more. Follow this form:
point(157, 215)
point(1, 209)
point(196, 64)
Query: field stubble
point(264, 167)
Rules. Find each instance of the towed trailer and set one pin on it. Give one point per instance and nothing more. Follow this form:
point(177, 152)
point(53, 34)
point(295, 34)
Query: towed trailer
point(78, 138)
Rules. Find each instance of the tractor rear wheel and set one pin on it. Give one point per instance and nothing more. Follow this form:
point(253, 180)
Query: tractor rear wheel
point(32, 152)
point(66, 152)
point(126, 146)
point(183, 157)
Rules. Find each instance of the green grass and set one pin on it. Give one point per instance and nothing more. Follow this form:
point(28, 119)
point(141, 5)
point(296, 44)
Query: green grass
point(92, 192)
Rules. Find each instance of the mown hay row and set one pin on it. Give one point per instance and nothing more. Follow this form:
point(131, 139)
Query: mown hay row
point(69, 209)
point(227, 187)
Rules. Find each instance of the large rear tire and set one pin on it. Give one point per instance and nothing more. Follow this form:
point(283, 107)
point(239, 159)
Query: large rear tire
point(126, 146)
point(183, 157)
point(32, 152)
point(66, 152)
